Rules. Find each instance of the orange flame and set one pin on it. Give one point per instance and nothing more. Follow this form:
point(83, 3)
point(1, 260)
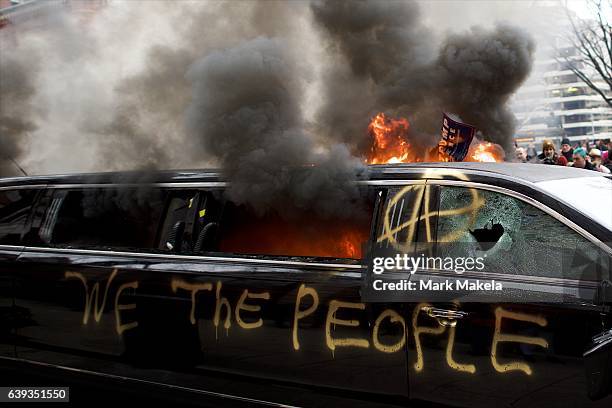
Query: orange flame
point(486, 152)
point(390, 144)
point(311, 237)
point(390, 140)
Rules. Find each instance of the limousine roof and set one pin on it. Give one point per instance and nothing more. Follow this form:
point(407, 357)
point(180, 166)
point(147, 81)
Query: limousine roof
point(562, 189)
point(528, 172)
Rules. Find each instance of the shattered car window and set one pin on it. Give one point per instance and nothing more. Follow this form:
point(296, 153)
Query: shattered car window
point(513, 236)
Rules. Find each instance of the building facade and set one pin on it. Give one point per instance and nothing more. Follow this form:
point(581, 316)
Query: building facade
point(554, 103)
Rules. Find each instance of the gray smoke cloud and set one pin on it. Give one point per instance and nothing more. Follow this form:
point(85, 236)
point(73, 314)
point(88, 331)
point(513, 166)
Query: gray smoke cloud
point(377, 51)
point(246, 112)
point(17, 87)
point(405, 71)
point(148, 124)
point(480, 70)
point(235, 100)
point(278, 94)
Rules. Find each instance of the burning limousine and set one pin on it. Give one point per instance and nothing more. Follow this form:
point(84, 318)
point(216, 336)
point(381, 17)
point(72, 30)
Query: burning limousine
point(161, 282)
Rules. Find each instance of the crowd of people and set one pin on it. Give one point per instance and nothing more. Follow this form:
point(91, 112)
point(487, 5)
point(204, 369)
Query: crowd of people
point(587, 155)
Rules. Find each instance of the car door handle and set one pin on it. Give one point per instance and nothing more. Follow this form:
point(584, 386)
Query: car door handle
point(445, 317)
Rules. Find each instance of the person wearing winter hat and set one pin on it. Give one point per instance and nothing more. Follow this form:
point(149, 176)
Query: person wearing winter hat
point(548, 155)
point(596, 161)
point(566, 149)
point(580, 160)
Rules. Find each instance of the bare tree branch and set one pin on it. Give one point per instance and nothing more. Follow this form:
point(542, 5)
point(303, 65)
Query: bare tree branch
point(593, 42)
point(607, 33)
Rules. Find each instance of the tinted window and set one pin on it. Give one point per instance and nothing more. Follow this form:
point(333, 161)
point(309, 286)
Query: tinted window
point(245, 232)
point(15, 207)
point(207, 223)
point(516, 237)
point(123, 218)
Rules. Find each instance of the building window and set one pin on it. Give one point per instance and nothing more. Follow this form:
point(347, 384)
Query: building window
point(573, 105)
point(577, 118)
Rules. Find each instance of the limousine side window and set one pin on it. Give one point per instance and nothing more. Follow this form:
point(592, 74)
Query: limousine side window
point(247, 233)
point(204, 222)
point(516, 237)
point(15, 207)
point(117, 218)
point(200, 222)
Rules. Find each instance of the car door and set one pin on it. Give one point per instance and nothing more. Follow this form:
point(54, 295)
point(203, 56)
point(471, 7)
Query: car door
point(76, 275)
point(15, 211)
point(521, 344)
point(278, 300)
point(178, 309)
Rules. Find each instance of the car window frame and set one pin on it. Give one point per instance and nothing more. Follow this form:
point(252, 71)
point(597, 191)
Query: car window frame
point(177, 189)
point(172, 187)
point(45, 199)
point(381, 183)
point(520, 278)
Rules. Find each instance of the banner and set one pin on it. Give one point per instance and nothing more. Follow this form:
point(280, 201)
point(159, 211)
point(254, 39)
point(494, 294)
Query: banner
point(456, 139)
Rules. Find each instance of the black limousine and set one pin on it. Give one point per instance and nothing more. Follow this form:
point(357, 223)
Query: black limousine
point(157, 281)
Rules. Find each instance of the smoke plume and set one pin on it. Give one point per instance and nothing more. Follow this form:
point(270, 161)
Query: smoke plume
point(479, 72)
point(395, 63)
point(17, 87)
point(246, 113)
point(278, 94)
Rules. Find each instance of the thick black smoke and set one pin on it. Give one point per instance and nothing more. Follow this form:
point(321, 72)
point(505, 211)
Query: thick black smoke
point(17, 87)
point(147, 127)
point(246, 112)
point(479, 71)
point(397, 68)
point(229, 86)
point(378, 50)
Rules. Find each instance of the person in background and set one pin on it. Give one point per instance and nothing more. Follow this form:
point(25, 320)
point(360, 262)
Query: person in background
point(585, 144)
point(548, 155)
point(520, 154)
point(602, 145)
point(580, 160)
point(596, 161)
point(531, 152)
point(606, 157)
point(566, 149)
